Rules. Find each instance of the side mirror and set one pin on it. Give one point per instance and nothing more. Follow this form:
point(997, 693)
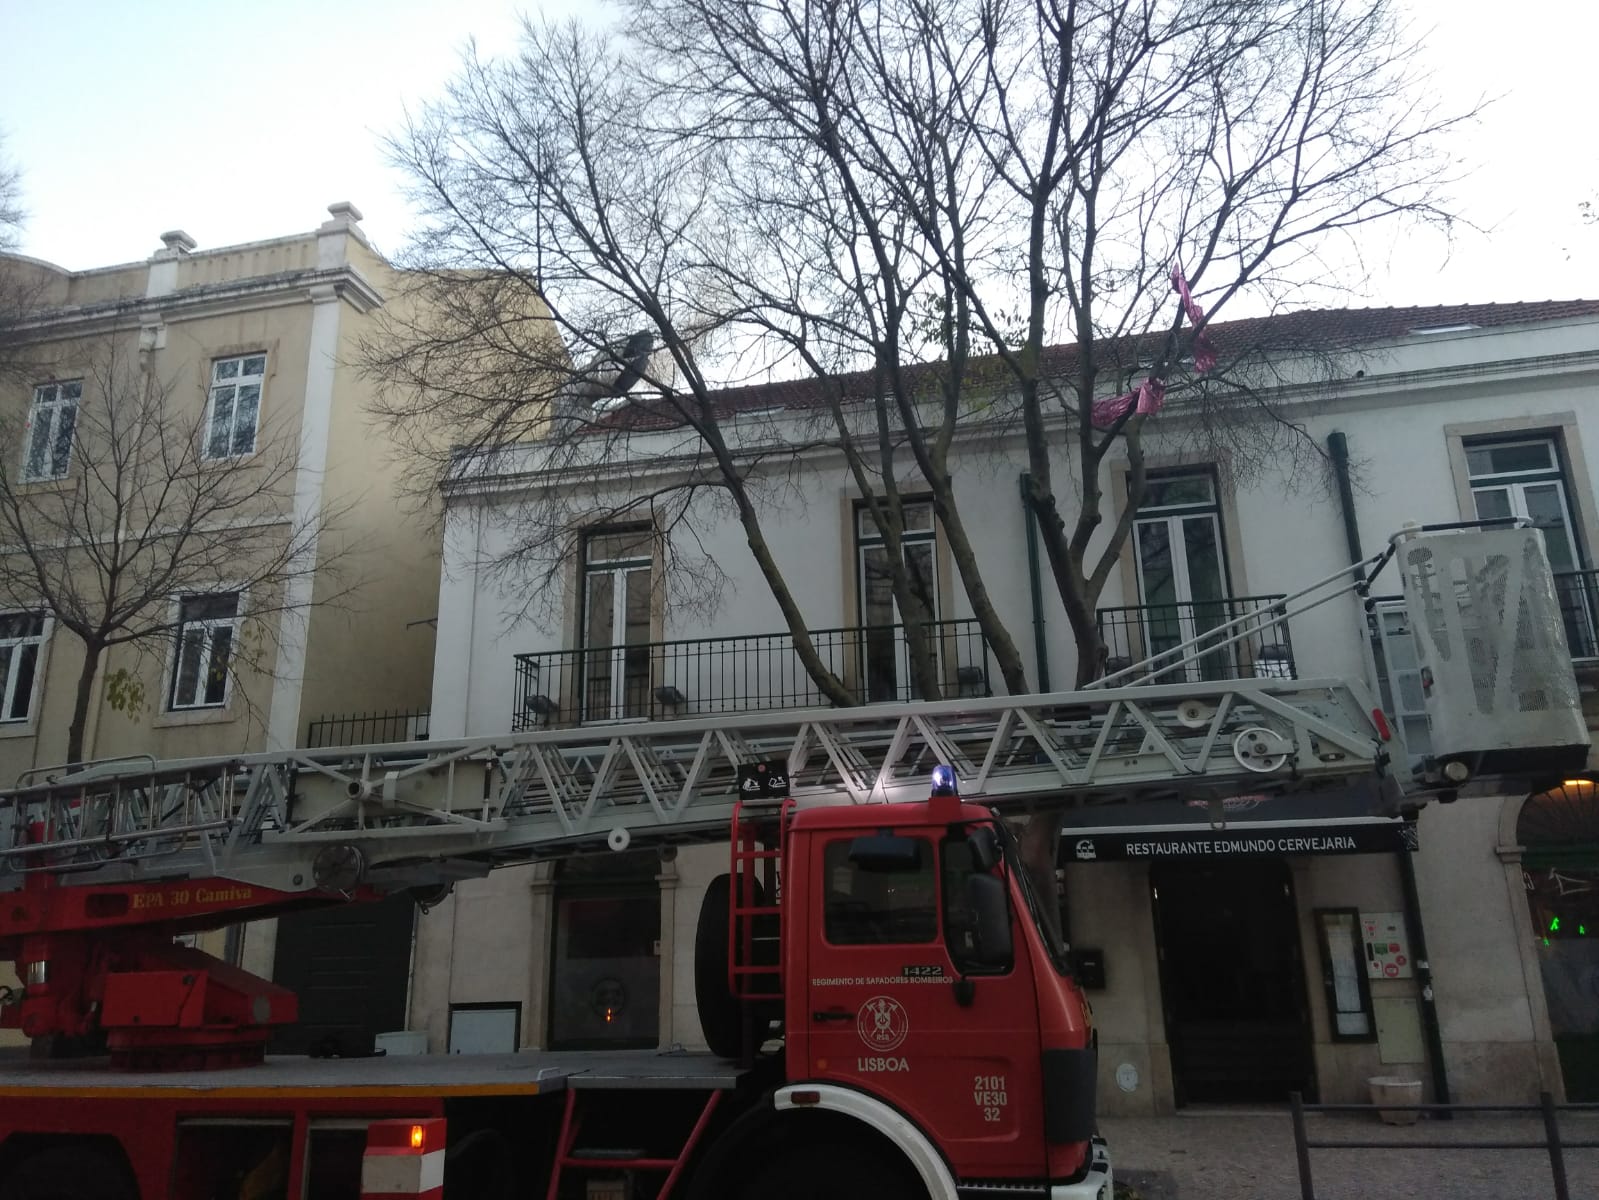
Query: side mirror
point(988, 938)
point(984, 845)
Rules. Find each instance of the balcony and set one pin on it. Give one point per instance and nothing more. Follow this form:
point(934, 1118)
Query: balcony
point(750, 673)
point(1240, 637)
point(1578, 592)
point(367, 729)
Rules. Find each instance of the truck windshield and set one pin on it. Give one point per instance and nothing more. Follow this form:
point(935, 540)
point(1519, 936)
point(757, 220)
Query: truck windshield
point(1035, 903)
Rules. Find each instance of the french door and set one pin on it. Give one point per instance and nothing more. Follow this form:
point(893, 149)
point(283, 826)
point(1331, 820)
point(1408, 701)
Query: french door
point(1182, 570)
point(885, 666)
point(618, 572)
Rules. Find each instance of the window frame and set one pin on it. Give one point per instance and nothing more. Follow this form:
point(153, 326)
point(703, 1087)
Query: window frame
point(1515, 483)
point(236, 383)
point(55, 404)
point(1321, 917)
point(954, 842)
point(866, 537)
point(210, 625)
point(930, 865)
point(1172, 516)
point(619, 568)
point(8, 678)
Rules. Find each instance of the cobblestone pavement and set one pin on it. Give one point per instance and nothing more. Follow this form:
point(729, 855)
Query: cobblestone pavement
point(1228, 1156)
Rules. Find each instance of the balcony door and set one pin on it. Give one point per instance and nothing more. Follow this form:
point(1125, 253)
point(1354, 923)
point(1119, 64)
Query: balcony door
point(1525, 479)
point(1182, 569)
point(885, 665)
point(618, 573)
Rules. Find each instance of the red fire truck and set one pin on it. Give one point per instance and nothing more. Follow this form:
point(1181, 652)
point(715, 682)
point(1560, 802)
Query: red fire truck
point(888, 1011)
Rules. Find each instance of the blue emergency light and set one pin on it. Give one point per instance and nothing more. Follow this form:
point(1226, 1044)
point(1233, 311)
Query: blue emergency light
point(944, 781)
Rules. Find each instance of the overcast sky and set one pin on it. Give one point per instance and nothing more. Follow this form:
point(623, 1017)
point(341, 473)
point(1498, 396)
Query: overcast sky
point(239, 121)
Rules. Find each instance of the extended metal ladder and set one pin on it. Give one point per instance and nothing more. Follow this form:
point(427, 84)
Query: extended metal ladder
point(423, 813)
point(415, 813)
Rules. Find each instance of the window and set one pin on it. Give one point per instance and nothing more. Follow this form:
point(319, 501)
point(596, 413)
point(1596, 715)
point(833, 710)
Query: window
point(485, 1028)
point(48, 438)
point(1182, 571)
point(879, 905)
point(1524, 478)
point(235, 405)
point(885, 666)
point(618, 571)
point(960, 915)
point(206, 628)
point(21, 643)
point(1343, 972)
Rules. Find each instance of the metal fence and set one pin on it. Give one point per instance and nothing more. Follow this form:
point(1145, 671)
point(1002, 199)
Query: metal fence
point(1258, 646)
point(749, 673)
point(367, 729)
point(1552, 1144)
point(1579, 611)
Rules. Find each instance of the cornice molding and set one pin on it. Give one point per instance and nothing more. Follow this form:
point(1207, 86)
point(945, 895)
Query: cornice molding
point(344, 282)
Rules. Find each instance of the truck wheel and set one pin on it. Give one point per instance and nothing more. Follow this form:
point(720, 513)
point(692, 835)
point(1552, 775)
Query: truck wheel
point(818, 1173)
point(68, 1173)
point(722, 1016)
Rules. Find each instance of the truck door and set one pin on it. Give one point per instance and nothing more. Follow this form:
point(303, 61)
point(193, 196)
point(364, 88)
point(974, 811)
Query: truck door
point(890, 1010)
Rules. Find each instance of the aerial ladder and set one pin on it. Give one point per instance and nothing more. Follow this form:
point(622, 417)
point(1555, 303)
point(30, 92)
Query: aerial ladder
point(103, 865)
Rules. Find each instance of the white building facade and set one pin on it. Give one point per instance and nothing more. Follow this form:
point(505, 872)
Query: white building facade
point(1221, 969)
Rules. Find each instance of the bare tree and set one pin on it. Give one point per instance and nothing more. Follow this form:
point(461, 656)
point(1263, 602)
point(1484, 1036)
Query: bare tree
point(117, 499)
point(20, 281)
point(10, 205)
point(941, 214)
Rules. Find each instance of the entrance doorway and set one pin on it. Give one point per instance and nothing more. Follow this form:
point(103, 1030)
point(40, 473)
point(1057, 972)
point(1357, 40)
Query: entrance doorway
point(605, 974)
point(1232, 982)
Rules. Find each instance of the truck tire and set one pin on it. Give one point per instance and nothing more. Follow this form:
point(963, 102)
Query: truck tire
point(826, 1173)
point(722, 1016)
point(68, 1173)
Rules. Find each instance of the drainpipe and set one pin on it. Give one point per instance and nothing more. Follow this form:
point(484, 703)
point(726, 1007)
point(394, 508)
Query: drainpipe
point(1040, 647)
point(1338, 451)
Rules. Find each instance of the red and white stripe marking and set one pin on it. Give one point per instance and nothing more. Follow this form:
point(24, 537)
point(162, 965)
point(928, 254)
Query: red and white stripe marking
point(404, 1160)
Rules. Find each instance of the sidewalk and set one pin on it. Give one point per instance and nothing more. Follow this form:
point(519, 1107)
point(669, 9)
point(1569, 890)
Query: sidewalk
point(1221, 1155)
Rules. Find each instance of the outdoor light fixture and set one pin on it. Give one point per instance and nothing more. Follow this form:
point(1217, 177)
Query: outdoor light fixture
point(944, 780)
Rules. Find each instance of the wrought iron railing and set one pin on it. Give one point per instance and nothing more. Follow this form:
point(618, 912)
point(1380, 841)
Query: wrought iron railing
point(1250, 635)
point(748, 673)
point(1579, 611)
point(368, 729)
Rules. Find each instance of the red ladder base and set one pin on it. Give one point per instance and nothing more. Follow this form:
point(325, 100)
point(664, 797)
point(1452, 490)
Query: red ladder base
point(624, 1160)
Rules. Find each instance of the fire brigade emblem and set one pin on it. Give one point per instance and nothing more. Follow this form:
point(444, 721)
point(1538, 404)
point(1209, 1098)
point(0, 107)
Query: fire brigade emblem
point(882, 1024)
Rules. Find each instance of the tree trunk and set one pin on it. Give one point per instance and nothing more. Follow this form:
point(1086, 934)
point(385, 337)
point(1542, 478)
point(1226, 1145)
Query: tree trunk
point(1039, 845)
point(81, 701)
point(1092, 654)
point(829, 684)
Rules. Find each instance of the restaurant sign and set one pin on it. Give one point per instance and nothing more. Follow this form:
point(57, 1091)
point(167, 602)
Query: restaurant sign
point(1260, 841)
